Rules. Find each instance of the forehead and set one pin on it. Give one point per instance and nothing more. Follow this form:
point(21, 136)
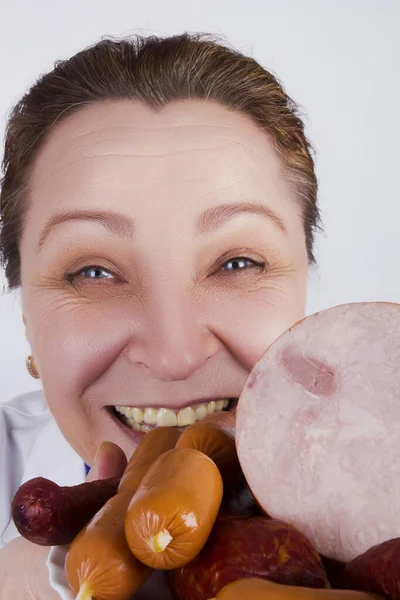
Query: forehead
point(134, 127)
point(192, 136)
point(189, 154)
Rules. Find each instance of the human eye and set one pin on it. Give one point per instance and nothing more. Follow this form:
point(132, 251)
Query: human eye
point(89, 273)
point(242, 263)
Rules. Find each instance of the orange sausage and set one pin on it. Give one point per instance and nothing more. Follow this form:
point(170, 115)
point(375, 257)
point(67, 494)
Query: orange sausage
point(173, 511)
point(152, 445)
point(215, 436)
point(99, 563)
point(263, 589)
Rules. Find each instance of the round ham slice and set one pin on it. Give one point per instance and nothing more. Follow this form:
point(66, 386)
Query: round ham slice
point(318, 428)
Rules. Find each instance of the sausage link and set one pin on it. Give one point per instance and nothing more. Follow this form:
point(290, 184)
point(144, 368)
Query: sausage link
point(99, 562)
point(376, 570)
point(263, 589)
point(215, 436)
point(51, 515)
point(172, 513)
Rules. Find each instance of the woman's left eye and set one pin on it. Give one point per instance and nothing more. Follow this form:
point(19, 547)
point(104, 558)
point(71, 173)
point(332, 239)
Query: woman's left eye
point(93, 272)
point(241, 263)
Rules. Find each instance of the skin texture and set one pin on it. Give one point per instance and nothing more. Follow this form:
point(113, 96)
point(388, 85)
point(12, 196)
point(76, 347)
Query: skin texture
point(164, 322)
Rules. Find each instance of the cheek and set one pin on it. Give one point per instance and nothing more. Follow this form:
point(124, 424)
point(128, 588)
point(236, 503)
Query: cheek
point(259, 328)
point(267, 328)
point(74, 341)
point(74, 345)
point(249, 324)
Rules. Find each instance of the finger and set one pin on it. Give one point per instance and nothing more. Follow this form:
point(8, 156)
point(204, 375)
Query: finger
point(110, 461)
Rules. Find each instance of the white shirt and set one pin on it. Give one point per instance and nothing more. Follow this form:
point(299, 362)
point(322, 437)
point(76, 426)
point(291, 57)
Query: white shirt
point(31, 445)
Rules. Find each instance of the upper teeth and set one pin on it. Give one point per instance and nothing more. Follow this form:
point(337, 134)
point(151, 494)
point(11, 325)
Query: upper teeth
point(166, 417)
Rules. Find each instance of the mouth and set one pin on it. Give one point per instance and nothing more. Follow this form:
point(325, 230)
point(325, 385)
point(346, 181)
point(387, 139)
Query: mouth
point(142, 419)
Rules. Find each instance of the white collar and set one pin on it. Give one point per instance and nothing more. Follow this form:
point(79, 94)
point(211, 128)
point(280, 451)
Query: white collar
point(53, 457)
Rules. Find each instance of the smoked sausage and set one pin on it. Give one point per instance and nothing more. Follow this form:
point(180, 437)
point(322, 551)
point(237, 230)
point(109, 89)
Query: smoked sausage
point(263, 589)
point(99, 562)
point(151, 446)
point(51, 515)
point(376, 570)
point(215, 436)
point(248, 547)
point(172, 513)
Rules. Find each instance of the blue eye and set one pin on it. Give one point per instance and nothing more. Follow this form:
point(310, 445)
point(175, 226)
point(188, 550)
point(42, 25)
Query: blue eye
point(94, 273)
point(241, 263)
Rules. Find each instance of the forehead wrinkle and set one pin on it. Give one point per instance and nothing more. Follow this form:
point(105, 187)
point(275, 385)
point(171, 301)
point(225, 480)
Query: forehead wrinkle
point(142, 155)
point(86, 138)
point(127, 116)
point(193, 144)
point(95, 138)
point(150, 128)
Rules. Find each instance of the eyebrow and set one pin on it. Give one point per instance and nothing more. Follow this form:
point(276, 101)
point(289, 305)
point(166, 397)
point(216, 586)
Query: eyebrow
point(215, 217)
point(116, 223)
point(123, 226)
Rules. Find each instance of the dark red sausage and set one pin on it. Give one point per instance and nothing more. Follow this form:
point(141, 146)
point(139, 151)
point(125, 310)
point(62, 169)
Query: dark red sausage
point(50, 515)
point(376, 570)
point(248, 547)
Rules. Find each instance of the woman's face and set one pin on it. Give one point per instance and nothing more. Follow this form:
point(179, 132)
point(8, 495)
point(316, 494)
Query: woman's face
point(162, 253)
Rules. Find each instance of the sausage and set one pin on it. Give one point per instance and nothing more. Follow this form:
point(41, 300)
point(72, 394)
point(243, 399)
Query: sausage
point(262, 589)
point(99, 561)
point(223, 418)
point(248, 547)
point(151, 446)
point(215, 436)
point(376, 570)
point(51, 515)
point(317, 428)
point(172, 513)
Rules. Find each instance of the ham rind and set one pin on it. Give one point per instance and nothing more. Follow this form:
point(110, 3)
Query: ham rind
point(318, 428)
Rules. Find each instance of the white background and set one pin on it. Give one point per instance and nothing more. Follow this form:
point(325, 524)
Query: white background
point(340, 59)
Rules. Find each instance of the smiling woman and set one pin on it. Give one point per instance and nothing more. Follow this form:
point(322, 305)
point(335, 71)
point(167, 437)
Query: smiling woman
point(158, 211)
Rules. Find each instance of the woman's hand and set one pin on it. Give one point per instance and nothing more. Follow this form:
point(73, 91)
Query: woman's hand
point(23, 571)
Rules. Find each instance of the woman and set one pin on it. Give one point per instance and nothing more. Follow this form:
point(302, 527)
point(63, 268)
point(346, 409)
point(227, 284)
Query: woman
point(158, 210)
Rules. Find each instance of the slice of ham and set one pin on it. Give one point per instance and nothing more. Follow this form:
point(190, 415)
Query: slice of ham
point(318, 428)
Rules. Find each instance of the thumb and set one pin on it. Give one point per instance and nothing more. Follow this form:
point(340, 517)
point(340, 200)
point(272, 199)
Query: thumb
point(110, 461)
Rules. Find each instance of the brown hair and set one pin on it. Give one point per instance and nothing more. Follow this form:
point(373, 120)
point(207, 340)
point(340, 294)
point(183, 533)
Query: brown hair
point(155, 71)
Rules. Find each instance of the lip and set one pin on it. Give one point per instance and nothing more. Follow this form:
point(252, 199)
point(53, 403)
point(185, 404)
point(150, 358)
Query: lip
point(126, 431)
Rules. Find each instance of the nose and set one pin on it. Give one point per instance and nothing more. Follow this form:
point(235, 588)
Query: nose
point(173, 343)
